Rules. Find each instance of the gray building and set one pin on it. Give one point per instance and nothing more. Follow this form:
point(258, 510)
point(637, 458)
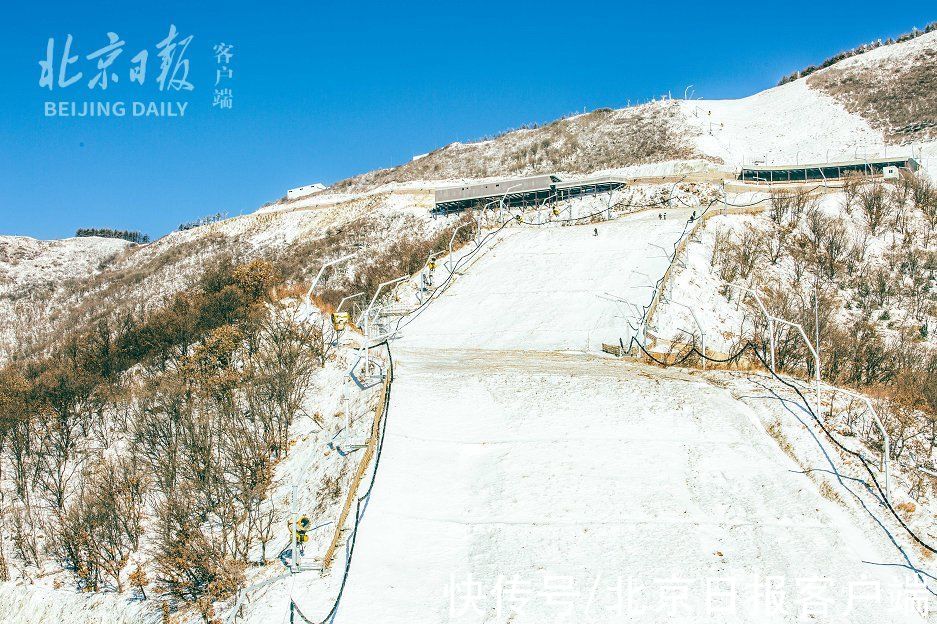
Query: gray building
point(824, 172)
point(527, 191)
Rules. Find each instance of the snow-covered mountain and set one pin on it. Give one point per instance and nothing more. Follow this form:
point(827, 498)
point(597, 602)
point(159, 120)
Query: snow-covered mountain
point(802, 121)
point(524, 475)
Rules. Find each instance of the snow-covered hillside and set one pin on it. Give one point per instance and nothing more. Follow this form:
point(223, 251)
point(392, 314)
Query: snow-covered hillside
point(583, 143)
point(805, 122)
point(524, 478)
point(32, 271)
point(525, 475)
point(784, 125)
point(520, 486)
point(796, 122)
point(48, 285)
point(554, 288)
point(520, 470)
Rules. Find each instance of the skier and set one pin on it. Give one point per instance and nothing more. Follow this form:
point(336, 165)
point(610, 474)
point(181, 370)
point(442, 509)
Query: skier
point(595, 231)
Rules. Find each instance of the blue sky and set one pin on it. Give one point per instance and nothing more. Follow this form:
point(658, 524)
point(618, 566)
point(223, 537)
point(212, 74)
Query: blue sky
point(322, 91)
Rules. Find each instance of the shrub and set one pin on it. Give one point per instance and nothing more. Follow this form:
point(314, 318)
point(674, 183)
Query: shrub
point(190, 439)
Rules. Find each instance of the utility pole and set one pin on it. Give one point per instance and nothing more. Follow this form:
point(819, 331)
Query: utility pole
point(816, 311)
point(294, 551)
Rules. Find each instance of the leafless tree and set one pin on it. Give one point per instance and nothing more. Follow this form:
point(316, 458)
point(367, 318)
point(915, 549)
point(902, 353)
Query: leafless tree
point(834, 245)
point(875, 205)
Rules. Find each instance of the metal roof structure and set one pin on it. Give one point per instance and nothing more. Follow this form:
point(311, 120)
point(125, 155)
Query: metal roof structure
point(521, 191)
point(823, 171)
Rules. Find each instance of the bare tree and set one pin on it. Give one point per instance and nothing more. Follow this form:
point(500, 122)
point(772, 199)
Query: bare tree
point(852, 181)
point(817, 225)
point(875, 205)
point(834, 246)
point(924, 196)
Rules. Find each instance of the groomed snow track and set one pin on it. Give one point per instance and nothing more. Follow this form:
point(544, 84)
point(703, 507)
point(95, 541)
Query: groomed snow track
point(526, 478)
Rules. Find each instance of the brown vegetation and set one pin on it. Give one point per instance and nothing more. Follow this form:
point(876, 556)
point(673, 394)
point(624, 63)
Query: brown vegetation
point(820, 270)
point(164, 427)
point(140, 445)
point(602, 139)
point(898, 98)
point(914, 34)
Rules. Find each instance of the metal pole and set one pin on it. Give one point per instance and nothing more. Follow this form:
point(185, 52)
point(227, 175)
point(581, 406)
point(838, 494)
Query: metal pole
point(452, 240)
point(294, 551)
point(699, 326)
point(771, 332)
point(367, 322)
point(321, 271)
point(816, 356)
point(816, 312)
point(754, 293)
point(342, 302)
point(543, 204)
point(886, 455)
point(485, 211)
point(504, 197)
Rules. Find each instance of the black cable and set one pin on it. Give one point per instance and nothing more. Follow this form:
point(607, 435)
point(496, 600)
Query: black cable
point(412, 315)
point(657, 285)
point(753, 347)
point(358, 507)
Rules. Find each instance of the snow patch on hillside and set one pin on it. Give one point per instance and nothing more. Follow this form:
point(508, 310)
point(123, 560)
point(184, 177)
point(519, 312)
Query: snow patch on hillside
point(784, 125)
point(29, 604)
point(27, 262)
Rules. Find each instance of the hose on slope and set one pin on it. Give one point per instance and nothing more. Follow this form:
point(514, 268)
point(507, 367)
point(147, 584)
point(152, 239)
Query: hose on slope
point(753, 347)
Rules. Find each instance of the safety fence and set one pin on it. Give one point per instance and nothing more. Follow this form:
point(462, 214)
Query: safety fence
point(674, 356)
point(379, 424)
point(873, 485)
point(375, 443)
point(378, 433)
point(684, 241)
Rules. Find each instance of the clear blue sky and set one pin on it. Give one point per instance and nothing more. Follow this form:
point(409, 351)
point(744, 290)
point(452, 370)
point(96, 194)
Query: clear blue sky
point(323, 91)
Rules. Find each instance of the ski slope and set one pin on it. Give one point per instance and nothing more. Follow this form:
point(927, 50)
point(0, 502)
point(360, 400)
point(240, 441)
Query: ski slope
point(554, 288)
point(525, 478)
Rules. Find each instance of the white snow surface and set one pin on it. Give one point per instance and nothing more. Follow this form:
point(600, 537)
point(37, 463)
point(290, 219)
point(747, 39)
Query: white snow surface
point(516, 456)
point(547, 479)
point(33, 269)
point(784, 125)
point(34, 603)
point(545, 289)
point(534, 462)
point(793, 123)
